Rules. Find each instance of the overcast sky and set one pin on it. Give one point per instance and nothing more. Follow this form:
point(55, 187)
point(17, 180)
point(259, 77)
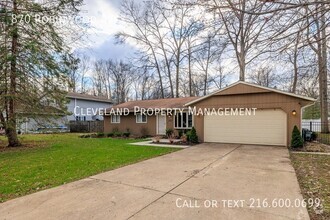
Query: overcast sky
point(101, 43)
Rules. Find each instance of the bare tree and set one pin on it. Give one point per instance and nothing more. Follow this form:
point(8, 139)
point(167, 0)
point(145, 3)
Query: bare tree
point(135, 15)
point(264, 77)
point(317, 38)
point(84, 68)
point(245, 31)
point(122, 77)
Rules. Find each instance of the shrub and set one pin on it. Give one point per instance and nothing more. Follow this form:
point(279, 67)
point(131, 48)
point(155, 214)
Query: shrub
point(169, 132)
point(181, 132)
point(314, 136)
point(100, 134)
point(188, 133)
point(296, 139)
point(144, 132)
point(193, 138)
point(126, 134)
point(85, 136)
point(171, 139)
point(184, 138)
point(110, 134)
point(117, 134)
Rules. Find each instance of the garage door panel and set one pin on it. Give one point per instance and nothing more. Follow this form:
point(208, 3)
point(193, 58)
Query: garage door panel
point(266, 127)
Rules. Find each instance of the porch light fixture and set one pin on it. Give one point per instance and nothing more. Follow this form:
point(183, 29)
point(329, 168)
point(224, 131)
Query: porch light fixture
point(294, 112)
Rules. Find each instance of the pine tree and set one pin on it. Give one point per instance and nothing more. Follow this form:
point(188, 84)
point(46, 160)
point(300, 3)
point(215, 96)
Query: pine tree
point(33, 59)
point(193, 138)
point(296, 140)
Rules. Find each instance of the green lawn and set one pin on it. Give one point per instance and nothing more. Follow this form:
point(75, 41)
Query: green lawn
point(55, 159)
point(313, 173)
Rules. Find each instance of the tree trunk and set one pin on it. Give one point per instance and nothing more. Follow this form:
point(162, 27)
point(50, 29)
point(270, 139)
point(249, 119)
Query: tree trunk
point(242, 44)
point(295, 65)
point(10, 126)
point(177, 75)
point(159, 73)
point(189, 70)
point(295, 76)
point(12, 137)
point(242, 67)
point(323, 76)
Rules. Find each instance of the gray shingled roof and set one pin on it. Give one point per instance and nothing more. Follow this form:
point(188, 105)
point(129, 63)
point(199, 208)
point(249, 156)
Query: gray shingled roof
point(88, 97)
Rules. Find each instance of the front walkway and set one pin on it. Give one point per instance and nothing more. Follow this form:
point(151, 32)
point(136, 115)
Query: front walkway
point(208, 181)
point(160, 144)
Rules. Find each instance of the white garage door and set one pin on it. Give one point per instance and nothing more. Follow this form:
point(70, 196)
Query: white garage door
point(265, 127)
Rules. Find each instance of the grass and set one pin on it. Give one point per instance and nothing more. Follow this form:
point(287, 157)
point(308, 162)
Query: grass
point(55, 159)
point(313, 172)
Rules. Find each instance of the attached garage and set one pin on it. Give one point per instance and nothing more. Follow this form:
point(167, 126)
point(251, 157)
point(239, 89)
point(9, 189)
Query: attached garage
point(276, 115)
point(266, 127)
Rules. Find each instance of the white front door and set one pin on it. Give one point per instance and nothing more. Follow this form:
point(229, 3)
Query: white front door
point(161, 124)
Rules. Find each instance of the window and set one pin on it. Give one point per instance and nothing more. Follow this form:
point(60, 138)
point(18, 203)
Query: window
point(141, 118)
point(80, 118)
point(183, 121)
point(115, 119)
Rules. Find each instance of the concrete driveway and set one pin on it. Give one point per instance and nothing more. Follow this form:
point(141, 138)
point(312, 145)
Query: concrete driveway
point(208, 181)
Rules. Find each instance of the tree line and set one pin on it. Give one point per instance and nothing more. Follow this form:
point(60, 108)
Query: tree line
point(183, 48)
point(189, 48)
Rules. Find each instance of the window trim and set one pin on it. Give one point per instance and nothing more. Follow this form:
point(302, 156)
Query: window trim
point(141, 122)
point(183, 128)
point(117, 117)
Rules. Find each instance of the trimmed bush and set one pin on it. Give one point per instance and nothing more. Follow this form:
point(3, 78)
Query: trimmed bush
point(110, 134)
point(100, 134)
point(193, 138)
point(126, 134)
point(296, 139)
point(117, 134)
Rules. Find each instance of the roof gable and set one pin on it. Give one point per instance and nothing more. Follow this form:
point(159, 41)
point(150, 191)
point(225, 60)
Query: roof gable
point(241, 87)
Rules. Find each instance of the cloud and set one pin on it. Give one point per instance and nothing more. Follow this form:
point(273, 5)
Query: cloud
point(114, 51)
point(102, 17)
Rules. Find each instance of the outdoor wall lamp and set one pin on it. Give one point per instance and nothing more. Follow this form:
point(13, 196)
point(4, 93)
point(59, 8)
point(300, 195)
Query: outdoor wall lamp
point(294, 112)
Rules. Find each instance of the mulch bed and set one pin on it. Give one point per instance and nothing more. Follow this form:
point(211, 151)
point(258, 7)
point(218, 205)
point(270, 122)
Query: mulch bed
point(313, 147)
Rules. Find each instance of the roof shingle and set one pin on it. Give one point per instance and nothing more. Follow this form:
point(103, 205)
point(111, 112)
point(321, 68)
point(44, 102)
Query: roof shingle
point(88, 97)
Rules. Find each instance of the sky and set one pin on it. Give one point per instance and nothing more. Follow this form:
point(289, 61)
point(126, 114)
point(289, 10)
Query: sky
point(100, 41)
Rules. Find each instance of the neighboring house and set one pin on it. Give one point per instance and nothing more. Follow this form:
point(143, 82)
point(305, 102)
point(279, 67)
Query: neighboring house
point(86, 107)
point(268, 118)
point(81, 107)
